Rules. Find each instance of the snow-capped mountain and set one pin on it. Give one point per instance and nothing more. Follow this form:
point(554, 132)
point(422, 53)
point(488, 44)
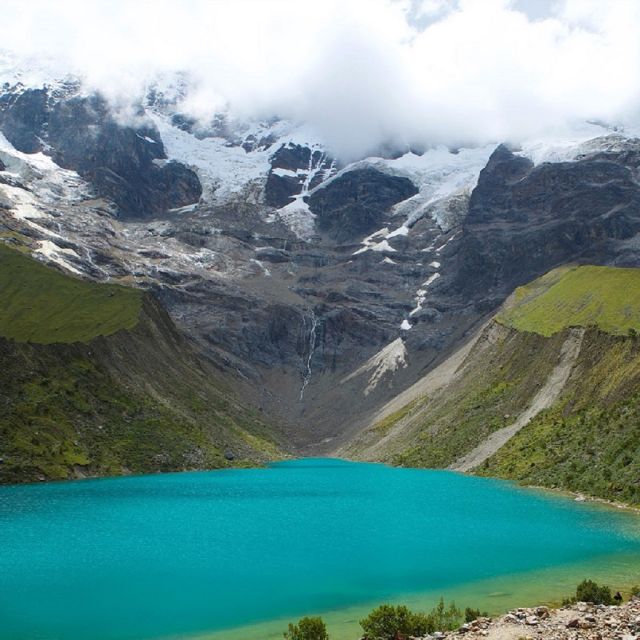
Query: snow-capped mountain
point(309, 279)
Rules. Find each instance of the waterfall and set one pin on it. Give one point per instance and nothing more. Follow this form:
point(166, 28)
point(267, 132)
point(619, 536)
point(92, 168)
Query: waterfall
point(312, 346)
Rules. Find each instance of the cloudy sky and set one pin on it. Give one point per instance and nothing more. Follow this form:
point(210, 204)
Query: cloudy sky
point(360, 71)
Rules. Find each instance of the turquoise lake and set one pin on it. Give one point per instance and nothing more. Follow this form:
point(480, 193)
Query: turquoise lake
point(191, 554)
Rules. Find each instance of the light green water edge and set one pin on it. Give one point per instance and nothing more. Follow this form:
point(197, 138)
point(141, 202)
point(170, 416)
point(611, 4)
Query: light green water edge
point(495, 596)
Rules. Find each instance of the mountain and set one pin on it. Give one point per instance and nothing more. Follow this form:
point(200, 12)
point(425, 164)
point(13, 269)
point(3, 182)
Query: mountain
point(546, 392)
point(96, 380)
point(319, 288)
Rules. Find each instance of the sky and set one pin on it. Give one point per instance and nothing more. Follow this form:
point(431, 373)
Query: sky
point(360, 72)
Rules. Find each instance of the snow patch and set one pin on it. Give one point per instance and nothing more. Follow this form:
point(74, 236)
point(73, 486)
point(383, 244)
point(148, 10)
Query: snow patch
point(288, 173)
point(388, 360)
point(400, 231)
point(55, 253)
point(421, 294)
point(370, 244)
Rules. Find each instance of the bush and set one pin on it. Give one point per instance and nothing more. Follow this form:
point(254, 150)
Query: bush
point(635, 591)
point(473, 614)
point(307, 629)
point(387, 622)
point(445, 618)
point(590, 591)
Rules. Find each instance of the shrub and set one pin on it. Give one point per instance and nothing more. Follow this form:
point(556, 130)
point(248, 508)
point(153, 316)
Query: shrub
point(445, 618)
point(590, 591)
point(473, 614)
point(635, 591)
point(387, 622)
point(307, 629)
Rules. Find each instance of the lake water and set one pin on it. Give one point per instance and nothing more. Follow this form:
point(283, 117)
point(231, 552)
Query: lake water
point(245, 551)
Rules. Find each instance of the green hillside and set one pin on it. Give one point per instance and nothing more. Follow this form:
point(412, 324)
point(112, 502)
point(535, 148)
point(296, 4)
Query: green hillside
point(41, 305)
point(588, 441)
point(96, 380)
point(534, 398)
point(603, 297)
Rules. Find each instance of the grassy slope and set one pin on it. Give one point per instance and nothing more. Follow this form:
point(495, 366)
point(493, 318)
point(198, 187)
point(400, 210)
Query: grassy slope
point(44, 306)
point(590, 439)
point(606, 297)
point(137, 400)
point(496, 386)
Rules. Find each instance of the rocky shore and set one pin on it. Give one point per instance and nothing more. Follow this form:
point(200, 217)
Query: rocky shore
point(580, 621)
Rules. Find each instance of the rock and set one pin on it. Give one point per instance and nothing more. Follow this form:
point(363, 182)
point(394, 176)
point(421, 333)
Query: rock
point(510, 618)
point(354, 204)
point(228, 455)
point(531, 620)
point(574, 623)
point(80, 132)
point(577, 209)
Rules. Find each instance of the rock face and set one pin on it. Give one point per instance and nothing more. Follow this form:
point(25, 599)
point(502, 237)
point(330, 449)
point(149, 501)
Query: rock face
point(354, 204)
point(525, 219)
point(294, 168)
point(120, 160)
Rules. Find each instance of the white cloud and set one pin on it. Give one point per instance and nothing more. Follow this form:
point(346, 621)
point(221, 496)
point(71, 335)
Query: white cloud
point(361, 71)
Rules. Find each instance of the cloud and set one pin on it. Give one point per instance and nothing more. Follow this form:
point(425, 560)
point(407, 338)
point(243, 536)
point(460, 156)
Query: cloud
point(362, 72)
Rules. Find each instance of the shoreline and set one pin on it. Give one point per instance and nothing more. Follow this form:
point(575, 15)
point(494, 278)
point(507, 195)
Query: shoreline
point(582, 620)
point(576, 496)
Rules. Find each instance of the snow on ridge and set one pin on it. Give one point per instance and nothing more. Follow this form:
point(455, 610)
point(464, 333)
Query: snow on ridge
point(297, 215)
point(53, 252)
point(223, 170)
point(371, 243)
point(388, 360)
point(421, 294)
point(48, 179)
point(589, 139)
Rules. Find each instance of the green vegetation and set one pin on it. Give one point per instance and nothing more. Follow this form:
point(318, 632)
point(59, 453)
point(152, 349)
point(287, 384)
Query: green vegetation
point(66, 414)
point(496, 387)
point(473, 614)
point(41, 305)
point(307, 629)
point(588, 440)
point(595, 451)
point(135, 401)
point(590, 591)
point(388, 622)
point(587, 296)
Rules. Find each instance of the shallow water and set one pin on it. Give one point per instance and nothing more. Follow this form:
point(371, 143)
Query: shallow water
point(195, 553)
